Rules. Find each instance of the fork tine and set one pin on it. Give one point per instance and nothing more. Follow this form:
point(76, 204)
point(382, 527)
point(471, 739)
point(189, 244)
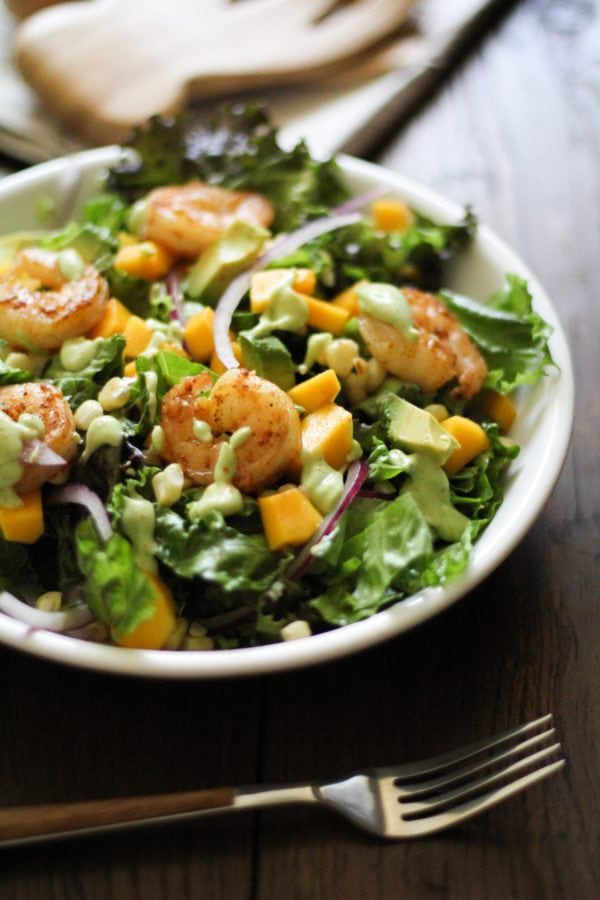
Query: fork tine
point(444, 761)
point(477, 805)
point(472, 789)
point(457, 775)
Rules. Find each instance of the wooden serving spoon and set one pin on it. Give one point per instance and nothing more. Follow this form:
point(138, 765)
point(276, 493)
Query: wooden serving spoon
point(103, 66)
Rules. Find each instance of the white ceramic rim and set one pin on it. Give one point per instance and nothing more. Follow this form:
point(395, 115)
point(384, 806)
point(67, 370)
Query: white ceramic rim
point(549, 406)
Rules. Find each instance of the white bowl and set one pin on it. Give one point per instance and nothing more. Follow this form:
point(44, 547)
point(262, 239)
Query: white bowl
point(543, 429)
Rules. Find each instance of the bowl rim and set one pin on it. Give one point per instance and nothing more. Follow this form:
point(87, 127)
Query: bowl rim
point(496, 543)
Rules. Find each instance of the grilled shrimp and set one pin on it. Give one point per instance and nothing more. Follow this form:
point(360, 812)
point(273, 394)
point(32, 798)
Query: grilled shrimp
point(188, 218)
point(442, 351)
point(48, 404)
point(239, 398)
point(41, 308)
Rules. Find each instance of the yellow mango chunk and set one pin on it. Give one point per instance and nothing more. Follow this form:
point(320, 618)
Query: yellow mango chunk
point(262, 285)
point(217, 366)
point(325, 316)
point(198, 334)
point(328, 432)
point(348, 299)
point(153, 632)
point(130, 369)
point(137, 336)
point(498, 407)
point(391, 215)
point(315, 391)
point(145, 259)
point(472, 439)
point(24, 524)
point(126, 239)
point(113, 320)
point(288, 518)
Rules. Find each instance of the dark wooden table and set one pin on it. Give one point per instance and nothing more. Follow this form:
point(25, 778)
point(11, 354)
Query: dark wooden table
point(515, 132)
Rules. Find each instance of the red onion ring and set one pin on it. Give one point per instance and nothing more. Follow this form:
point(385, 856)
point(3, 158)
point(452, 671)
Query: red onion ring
point(38, 453)
point(235, 291)
point(62, 620)
point(82, 495)
point(355, 477)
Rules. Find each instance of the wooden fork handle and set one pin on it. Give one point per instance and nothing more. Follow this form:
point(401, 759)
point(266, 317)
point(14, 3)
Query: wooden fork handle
point(22, 823)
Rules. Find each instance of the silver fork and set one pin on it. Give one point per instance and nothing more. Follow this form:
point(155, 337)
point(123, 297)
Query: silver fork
point(399, 802)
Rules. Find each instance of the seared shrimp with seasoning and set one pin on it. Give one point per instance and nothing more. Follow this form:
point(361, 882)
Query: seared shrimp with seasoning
point(47, 298)
point(198, 417)
point(57, 428)
point(189, 218)
point(442, 351)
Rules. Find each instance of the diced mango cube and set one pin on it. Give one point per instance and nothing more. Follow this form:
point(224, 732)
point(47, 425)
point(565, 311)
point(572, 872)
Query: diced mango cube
point(472, 439)
point(112, 321)
point(262, 285)
point(24, 524)
point(137, 336)
point(152, 633)
point(145, 259)
point(348, 299)
point(198, 334)
point(288, 518)
point(391, 215)
point(328, 432)
point(315, 391)
point(325, 316)
point(498, 407)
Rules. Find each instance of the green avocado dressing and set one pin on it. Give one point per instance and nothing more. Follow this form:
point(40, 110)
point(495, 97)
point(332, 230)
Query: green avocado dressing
point(322, 484)
point(13, 435)
point(138, 522)
point(388, 304)
point(287, 310)
point(428, 484)
point(222, 495)
point(103, 431)
point(77, 353)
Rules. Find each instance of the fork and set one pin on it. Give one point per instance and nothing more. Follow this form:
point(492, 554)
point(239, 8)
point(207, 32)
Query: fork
point(104, 66)
point(400, 802)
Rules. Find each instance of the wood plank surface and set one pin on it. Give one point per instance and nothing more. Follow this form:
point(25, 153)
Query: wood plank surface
point(515, 132)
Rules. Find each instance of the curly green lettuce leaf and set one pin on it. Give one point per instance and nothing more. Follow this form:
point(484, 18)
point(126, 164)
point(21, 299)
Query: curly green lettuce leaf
point(417, 256)
point(116, 590)
point(512, 337)
point(215, 551)
point(236, 147)
point(11, 375)
point(477, 490)
point(378, 545)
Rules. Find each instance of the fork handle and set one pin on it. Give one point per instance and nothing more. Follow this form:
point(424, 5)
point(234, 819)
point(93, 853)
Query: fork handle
point(30, 823)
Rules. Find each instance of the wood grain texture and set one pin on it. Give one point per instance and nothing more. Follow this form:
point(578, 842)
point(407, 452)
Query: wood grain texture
point(516, 133)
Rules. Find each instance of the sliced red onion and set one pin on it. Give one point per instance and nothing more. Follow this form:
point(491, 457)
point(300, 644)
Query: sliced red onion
point(82, 495)
point(355, 477)
point(38, 452)
point(62, 620)
point(361, 200)
point(233, 295)
point(173, 285)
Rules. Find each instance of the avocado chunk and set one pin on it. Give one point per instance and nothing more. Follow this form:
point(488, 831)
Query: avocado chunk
point(236, 249)
point(415, 430)
point(269, 358)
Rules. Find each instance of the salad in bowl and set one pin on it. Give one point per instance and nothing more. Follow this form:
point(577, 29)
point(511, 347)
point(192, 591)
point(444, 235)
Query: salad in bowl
point(240, 402)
